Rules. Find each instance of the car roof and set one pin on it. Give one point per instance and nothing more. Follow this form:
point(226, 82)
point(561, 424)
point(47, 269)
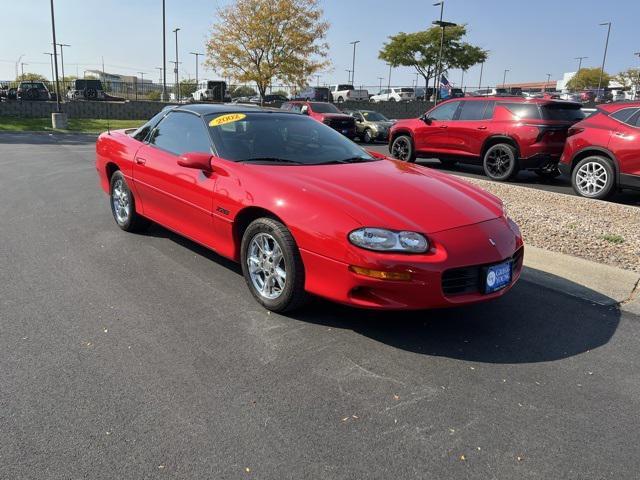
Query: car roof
point(208, 108)
point(614, 107)
point(509, 98)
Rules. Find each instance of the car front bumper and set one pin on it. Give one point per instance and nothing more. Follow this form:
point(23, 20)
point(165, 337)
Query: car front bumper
point(467, 249)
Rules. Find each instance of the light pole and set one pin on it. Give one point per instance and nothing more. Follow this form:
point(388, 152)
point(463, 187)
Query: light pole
point(176, 30)
point(635, 94)
point(163, 70)
point(160, 77)
point(389, 81)
point(480, 81)
point(18, 63)
point(55, 58)
point(142, 83)
point(22, 64)
point(462, 81)
point(443, 25)
point(604, 57)
point(348, 75)
point(62, 45)
point(380, 82)
point(51, 58)
point(197, 55)
point(580, 62)
point(353, 63)
point(504, 78)
point(317, 80)
point(435, 73)
point(546, 85)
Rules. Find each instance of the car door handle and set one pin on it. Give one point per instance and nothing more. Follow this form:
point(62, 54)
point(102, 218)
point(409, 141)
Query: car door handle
point(140, 161)
point(444, 126)
point(482, 127)
point(619, 134)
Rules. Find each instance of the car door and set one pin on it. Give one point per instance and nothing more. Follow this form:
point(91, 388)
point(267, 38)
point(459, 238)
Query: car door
point(468, 132)
point(625, 145)
point(177, 197)
point(433, 135)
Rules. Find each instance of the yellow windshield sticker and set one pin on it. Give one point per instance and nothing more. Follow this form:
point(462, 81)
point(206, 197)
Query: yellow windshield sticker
point(228, 118)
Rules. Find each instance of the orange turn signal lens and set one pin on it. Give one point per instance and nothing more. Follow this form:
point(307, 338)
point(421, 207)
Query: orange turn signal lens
point(381, 274)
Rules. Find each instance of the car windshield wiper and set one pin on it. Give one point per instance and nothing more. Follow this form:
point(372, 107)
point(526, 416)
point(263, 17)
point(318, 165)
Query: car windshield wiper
point(271, 159)
point(346, 160)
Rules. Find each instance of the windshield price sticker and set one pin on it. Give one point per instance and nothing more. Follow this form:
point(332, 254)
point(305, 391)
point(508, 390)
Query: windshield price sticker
point(228, 118)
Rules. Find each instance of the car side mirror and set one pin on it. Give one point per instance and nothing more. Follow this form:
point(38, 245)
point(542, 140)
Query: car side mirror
point(304, 110)
point(197, 160)
point(426, 119)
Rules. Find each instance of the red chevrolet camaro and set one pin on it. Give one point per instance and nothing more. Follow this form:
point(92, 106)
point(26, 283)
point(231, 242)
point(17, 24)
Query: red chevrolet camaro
point(307, 211)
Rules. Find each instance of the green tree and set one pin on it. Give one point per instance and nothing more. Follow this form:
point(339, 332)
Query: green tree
point(243, 91)
point(31, 77)
point(629, 77)
point(187, 87)
point(261, 40)
point(588, 78)
point(280, 92)
point(420, 50)
point(154, 96)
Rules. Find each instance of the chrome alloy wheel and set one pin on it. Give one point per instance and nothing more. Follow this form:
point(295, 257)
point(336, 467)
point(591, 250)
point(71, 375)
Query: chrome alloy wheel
point(591, 179)
point(401, 149)
point(121, 201)
point(267, 268)
point(499, 161)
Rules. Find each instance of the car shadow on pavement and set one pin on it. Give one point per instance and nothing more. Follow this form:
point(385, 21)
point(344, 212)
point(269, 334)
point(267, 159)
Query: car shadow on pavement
point(529, 324)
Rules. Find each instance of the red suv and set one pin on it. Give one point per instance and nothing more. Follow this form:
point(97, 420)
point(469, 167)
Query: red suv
point(602, 153)
point(504, 134)
point(326, 113)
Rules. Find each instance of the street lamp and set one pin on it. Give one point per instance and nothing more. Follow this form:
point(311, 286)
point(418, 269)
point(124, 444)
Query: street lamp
point(635, 94)
point(317, 80)
point(547, 84)
point(197, 55)
point(580, 62)
point(353, 63)
point(177, 29)
point(51, 58)
point(22, 64)
point(480, 81)
point(380, 82)
point(163, 69)
point(604, 57)
point(389, 81)
point(348, 75)
point(61, 45)
point(443, 26)
point(504, 78)
point(54, 119)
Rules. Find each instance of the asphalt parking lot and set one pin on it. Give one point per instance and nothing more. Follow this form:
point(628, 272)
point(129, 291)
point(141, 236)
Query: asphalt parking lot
point(524, 178)
point(145, 356)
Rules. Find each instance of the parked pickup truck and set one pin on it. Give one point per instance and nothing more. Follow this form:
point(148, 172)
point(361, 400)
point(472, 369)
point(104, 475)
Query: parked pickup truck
point(344, 93)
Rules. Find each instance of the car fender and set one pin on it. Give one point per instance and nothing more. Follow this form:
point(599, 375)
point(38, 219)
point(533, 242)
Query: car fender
point(502, 137)
point(599, 149)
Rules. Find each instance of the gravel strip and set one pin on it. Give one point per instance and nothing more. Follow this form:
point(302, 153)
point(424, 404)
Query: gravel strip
point(599, 231)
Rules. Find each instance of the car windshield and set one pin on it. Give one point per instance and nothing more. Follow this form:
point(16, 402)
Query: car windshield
point(321, 107)
point(375, 117)
point(280, 138)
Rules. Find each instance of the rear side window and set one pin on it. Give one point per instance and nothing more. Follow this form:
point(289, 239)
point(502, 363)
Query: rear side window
point(624, 115)
point(635, 119)
point(472, 110)
point(527, 111)
point(181, 132)
point(571, 112)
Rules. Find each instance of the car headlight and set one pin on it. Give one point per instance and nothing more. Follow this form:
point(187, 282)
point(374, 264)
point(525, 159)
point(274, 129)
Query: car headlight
point(383, 240)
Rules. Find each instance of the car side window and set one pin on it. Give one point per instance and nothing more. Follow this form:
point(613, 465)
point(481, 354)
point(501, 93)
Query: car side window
point(472, 110)
point(488, 112)
point(446, 111)
point(529, 111)
point(181, 132)
point(625, 115)
point(634, 120)
point(295, 107)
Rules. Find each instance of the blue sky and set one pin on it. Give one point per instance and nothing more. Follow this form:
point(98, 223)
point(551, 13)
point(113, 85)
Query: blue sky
point(530, 39)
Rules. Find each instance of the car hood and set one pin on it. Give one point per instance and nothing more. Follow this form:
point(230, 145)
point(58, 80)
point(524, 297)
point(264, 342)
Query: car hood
point(390, 194)
point(382, 124)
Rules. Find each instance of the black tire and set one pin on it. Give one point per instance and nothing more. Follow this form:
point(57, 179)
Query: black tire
point(402, 149)
point(500, 162)
point(594, 187)
point(340, 100)
point(91, 94)
point(132, 221)
point(292, 295)
point(366, 136)
point(392, 99)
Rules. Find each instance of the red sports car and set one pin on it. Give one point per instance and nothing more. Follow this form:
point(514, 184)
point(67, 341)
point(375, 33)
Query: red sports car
point(305, 210)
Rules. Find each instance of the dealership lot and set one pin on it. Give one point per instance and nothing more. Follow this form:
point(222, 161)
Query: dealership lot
point(144, 356)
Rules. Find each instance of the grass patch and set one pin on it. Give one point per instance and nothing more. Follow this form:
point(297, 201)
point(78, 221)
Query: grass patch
point(77, 125)
point(613, 238)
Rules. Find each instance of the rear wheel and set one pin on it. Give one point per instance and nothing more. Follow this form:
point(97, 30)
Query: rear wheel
point(593, 177)
point(272, 265)
point(501, 162)
point(123, 206)
point(367, 138)
point(402, 149)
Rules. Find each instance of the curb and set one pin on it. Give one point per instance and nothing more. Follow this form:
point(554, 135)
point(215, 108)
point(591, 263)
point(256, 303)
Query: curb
point(594, 282)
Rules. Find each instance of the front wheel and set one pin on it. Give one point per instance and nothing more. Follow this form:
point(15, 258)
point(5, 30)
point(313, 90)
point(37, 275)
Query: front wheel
point(367, 138)
point(272, 265)
point(123, 206)
point(501, 162)
point(593, 177)
point(402, 149)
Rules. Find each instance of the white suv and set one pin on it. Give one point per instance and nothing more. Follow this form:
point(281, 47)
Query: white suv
point(394, 95)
